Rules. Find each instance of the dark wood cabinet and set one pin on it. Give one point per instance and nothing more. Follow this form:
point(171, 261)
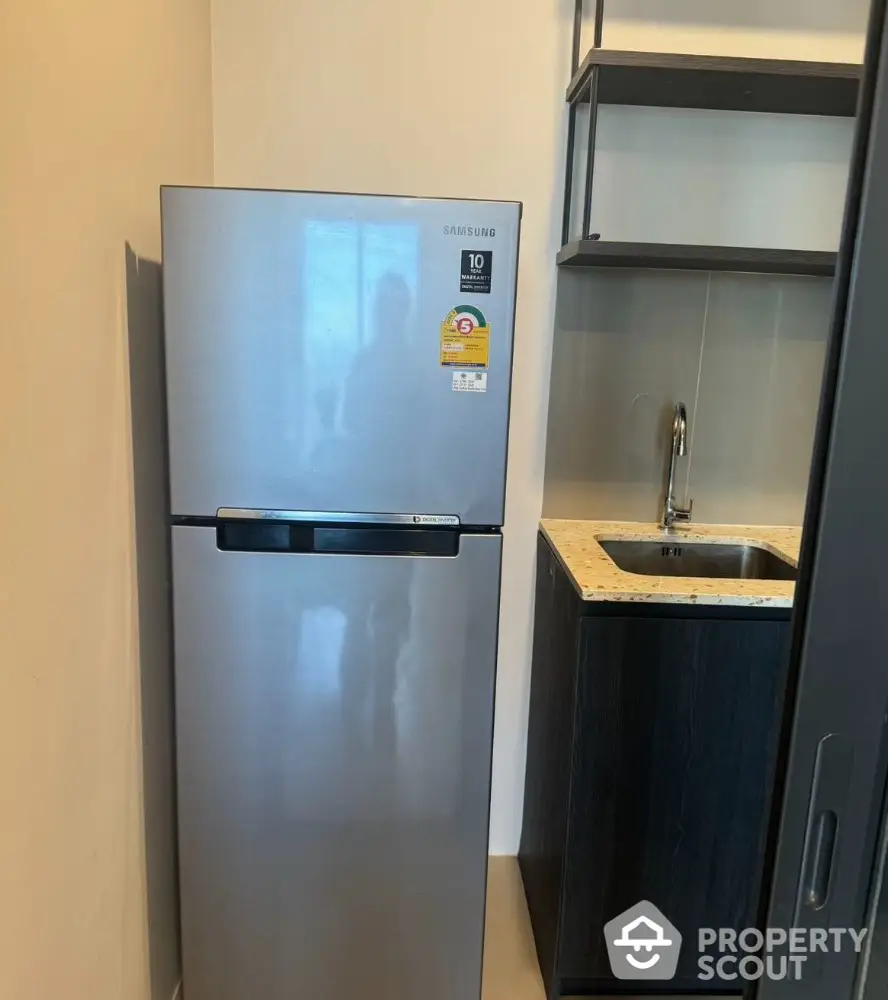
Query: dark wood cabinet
point(651, 747)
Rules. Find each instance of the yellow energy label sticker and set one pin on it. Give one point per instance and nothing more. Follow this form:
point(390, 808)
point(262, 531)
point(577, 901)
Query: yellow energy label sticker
point(465, 338)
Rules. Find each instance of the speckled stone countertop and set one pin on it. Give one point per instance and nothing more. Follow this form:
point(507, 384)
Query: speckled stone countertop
point(598, 578)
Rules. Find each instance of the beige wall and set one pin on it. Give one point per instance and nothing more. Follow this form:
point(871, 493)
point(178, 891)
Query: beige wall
point(99, 103)
point(455, 99)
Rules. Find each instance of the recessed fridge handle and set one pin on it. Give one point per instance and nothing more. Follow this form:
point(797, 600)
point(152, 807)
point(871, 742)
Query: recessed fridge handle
point(335, 517)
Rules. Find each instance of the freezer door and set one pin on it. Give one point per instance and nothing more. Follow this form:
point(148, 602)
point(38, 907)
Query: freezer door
point(306, 364)
point(334, 727)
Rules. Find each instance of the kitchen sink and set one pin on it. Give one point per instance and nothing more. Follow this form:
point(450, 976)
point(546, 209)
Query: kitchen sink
point(673, 557)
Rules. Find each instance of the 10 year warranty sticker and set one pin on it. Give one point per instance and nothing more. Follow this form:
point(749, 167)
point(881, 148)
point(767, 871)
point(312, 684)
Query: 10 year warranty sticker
point(465, 338)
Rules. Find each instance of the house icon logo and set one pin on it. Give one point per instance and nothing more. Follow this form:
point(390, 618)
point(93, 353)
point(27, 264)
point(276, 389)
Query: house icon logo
point(642, 944)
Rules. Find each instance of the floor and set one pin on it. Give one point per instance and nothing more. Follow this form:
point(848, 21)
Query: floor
point(511, 971)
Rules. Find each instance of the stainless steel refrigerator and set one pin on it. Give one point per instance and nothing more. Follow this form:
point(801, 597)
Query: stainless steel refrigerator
point(338, 378)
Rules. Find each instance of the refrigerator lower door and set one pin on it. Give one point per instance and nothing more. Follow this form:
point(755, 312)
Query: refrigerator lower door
point(334, 726)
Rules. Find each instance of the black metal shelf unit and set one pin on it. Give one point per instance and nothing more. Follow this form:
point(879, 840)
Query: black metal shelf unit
point(672, 80)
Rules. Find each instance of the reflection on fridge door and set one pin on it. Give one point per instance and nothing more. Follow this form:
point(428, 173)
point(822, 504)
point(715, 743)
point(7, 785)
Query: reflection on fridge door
point(336, 510)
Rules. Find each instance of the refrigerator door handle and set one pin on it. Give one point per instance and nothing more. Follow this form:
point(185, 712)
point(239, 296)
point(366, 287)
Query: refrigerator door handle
point(337, 539)
point(336, 517)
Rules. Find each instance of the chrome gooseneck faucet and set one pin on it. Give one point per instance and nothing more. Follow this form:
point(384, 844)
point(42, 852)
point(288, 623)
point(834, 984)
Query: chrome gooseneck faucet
point(672, 513)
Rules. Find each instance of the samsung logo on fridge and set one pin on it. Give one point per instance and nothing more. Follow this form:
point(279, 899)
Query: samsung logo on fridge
point(469, 231)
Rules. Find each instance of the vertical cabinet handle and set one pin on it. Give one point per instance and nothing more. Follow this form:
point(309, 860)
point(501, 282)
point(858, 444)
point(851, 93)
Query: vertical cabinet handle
point(815, 890)
point(829, 789)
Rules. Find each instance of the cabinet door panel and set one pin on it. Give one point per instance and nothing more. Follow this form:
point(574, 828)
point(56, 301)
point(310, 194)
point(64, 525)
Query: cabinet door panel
point(547, 775)
point(673, 753)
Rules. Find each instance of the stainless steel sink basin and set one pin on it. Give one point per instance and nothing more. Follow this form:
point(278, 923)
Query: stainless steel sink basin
point(672, 557)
